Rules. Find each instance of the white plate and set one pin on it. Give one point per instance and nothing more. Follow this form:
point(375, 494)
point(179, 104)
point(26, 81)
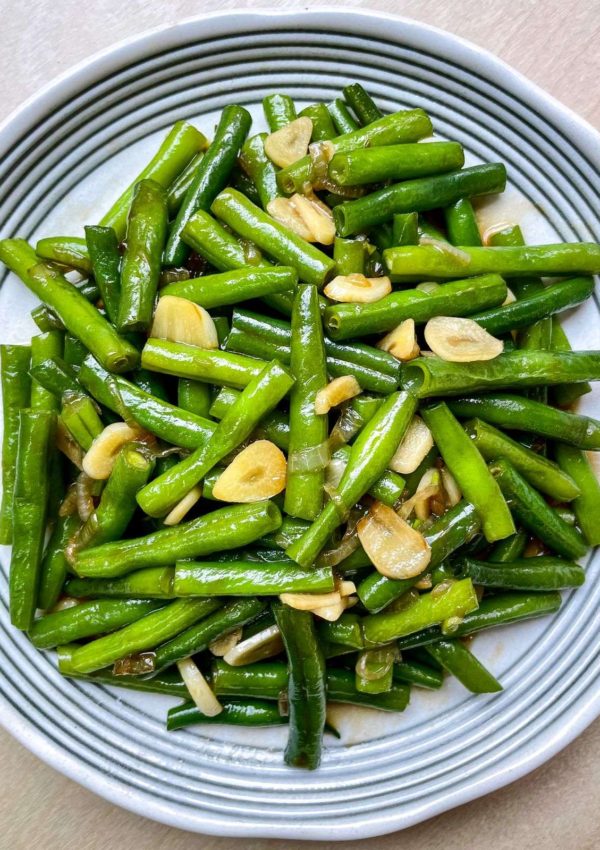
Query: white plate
point(64, 157)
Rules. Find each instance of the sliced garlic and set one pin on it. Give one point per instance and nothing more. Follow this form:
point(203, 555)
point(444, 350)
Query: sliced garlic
point(100, 458)
point(331, 613)
point(396, 549)
point(428, 488)
point(180, 320)
point(225, 643)
point(461, 340)
point(356, 288)
point(337, 391)
point(401, 343)
point(258, 472)
point(306, 216)
point(200, 690)
point(413, 447)
point(346, 588)
point(510, 297)
point(264, 644)
point(290, 143)
point(183, 507)
point(452, 489)
point(310, 601)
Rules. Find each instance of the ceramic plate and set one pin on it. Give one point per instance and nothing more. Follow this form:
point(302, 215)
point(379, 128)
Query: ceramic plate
point(64, 156)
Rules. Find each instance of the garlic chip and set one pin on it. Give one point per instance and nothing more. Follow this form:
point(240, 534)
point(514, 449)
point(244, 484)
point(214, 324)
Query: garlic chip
point(401, 342)
point(413, 447)
point(396, 549)
point(337, 391)
point(258, 472)
point(100, 458)
point(180, 320)
point(461, 340)
point(357, 288)
point(290, 143)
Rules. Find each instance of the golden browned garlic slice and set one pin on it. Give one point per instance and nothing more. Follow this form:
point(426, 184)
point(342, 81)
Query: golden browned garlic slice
point(357, 288)
point(290, 143)
point(413, 447)
point(337, 391)
point(180, 320)
point(310, 601)
point(183, 507)
point(331, 613)
point(200, 690)
point(461, 340)
point(263, 644)
point(258, 472)
point(306, 216)
point(396, 549)
point(223, 644)
point(102, 454)
point(401, 342)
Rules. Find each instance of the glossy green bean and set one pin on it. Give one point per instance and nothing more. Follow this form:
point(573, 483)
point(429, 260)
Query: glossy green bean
point(151, 583)
point(458, 298)
point(210, 178)
point(566, 394)
point(323, 129)
point(370, 455)
point(80, 416)
point(176, 190)
point(105, 258)
point(387, 489)
point(509, 549)
point(461, 223)
point(200, 364)
point(231, 287)
point(69, 251)
point(16, 392)
point(341, 116)
point(235, 712)
point(420, 675)
point(226, 528)
point(349, 256)
point(56, 377)
point(361, 103)
point(534, 513)
point(169, 683)
point(540, 573)
point(78, 315)
point(274, 426)
point(261, 396)
point(586, 505)
point(279, 110)
point(54, 563)
point(394, 162)
point(260, 169)
point(245, 578)
point(207, 236)
point(44, 347)
point(418, 195)
point(462, 664)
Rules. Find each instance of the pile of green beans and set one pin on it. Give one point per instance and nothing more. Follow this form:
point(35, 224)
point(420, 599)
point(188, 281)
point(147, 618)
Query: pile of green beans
point(204, 458)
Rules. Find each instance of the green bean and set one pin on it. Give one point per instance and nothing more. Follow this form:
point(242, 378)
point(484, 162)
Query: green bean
point(230, 287)
point(387, 489)
point(46, 346)
point(308, 429)
point(180, 146)
point(542, 473)
point(362, 104)
point(470, 471)
point(77, 315)
point(218, 246)
point(509, 549)
point(265, 337)
point(260, 397)
point(349, 256)
point(400, 127)
point(260, 169)
point(552, 299)
point(250, 222)
point(418, 195)
point(535, 514)
point(421, 675)
point(541, 573)
point(88, 619)
point(200, 364)
point(16, 392)
point(46, 319)
point(169, 683)
point(341, 117)
point(75, 351)
point(194, 397)
point(459, 298)
point(140, 270)
point(394, 162)
point(279, 110)
point(428, 262)
point(428, 610)
point(586, 505)
point(429, 376)
point(274, 426)
point(517, 413)
point(144, 634)
point(461, 663)
point(323, 129)
point(151, 583)
point(345, 631)
point(117, 504)
point(245, 578)
point(197, 637)
point(370, 455)
point(211, 177)
point(54, 564)
point(226, 528)
point(162, 419)
point(236, 712)
point(405, 229)
point(70, 251)
point(461, 223)
point(105, 258)
point(306, 686)
point(263, 679)
point(177, 189)
point(80, 416)
point(449, 532)
point(30, 500)
point(566, 394)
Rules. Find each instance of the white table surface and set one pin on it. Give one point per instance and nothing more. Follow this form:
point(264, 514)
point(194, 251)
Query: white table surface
point(556, 807)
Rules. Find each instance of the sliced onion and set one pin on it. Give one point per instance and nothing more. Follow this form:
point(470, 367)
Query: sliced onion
point(446, 248)
point(66, 444)
point(311, 459)
point(450, 625)
point(68, 506)
point(264, 644)
point(334, 471)
point(135, 665)
point(340, 505)
point(347, 426)
point(200, 690)
point(84, 486)
point(333, 557)
point(223, 644)
point(396, 549)
point(451, 487)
